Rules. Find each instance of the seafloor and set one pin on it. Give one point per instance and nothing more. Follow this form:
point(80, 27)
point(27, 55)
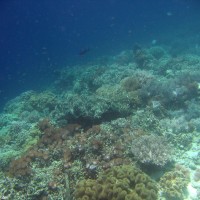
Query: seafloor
point(121, 128)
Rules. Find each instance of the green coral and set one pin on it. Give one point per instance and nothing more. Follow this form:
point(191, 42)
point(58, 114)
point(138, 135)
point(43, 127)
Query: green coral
point(43, 100)
point(118, 183)
point(118, 99)
point(174, 184)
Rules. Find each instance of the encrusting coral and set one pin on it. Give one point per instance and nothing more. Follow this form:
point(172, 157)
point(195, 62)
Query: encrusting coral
point(124, 182)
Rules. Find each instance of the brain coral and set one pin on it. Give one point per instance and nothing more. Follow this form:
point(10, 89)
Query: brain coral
point(118, 183)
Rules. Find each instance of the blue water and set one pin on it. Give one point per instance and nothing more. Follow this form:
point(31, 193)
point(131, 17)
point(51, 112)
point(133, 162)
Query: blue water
point(37, 37)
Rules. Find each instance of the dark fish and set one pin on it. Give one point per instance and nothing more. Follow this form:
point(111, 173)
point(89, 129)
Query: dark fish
point(84, 51)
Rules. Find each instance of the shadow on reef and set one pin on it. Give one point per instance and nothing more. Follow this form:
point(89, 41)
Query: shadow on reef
point(88, 122)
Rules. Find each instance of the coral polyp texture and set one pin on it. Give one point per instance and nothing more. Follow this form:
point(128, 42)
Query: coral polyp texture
point(174, 184)
point(94, 132)
point(151, 149)
point(118, 183)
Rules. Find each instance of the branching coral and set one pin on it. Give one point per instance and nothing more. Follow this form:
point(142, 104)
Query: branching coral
point(151, 149)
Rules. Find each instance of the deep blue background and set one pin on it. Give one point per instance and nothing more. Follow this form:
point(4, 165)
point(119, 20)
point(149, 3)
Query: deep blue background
point(39, 36)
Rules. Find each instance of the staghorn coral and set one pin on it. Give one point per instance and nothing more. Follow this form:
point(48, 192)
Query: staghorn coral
point(146, 120)
point(16, 138)
point(117, 99)
point(124, 182)
point(151, 149)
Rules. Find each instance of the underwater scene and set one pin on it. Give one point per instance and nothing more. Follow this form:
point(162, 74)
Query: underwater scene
point(100, 100)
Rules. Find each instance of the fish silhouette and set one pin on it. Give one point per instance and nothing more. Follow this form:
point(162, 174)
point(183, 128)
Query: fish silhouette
point(82, 52)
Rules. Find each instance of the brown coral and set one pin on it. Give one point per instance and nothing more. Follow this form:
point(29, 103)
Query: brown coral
point(118, 183)
point(131, 84)
point(174, 183)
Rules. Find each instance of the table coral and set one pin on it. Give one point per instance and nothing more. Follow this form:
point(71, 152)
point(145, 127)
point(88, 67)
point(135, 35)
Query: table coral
point(124, 182)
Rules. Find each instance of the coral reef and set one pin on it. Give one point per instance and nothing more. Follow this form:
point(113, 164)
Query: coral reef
point(121, 183)
point(96, 118)
point(142, 57)
point(152, 149)
point(174, 183)
point(197, 175)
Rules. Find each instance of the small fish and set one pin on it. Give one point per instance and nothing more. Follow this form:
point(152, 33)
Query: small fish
point(153, 42)
point(84, 51)
point(169, 14)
